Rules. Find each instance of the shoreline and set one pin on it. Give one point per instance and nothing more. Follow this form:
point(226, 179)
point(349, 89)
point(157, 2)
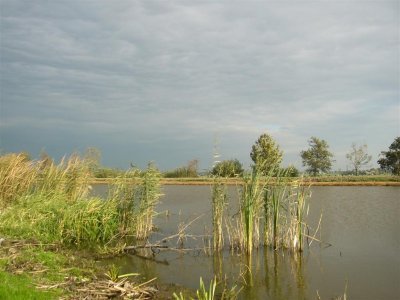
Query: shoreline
point(206, 181)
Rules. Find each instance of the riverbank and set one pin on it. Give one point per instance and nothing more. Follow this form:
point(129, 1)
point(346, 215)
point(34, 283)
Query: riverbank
point(32, 270)
point(315, 181)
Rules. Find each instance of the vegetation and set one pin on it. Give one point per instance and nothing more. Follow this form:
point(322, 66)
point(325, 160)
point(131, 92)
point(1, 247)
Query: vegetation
point(250, 211)
point(210, 294)
point(191, 170)
point(228, 168)
point(266, 154)
point(290, 171)
point(318, 158)
point(219, 201)
point(60, 273)
point(390, 160)
point(51, 204)
point(358, 157)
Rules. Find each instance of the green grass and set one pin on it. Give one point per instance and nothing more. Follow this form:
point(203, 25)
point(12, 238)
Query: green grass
point(50, 204)
point(21, 287)
point(51, 219)
point(31, 266)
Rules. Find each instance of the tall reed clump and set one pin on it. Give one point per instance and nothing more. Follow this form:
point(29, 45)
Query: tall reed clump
point(88, 222)
point(50, 203)
point(219, 201)
point(273, 202)
point(250, 210)
point(137, 193)
point(17, 176)
point(125, 191)
point(298, 210)
point(70, 177)
point(285, 208)
point(149, 196)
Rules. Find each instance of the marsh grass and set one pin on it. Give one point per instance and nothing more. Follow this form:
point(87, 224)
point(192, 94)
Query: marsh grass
point(50, 203)
point(219, 201)
point(149, 197)
point(211, 293)
point(285, 210)
point(272, 211)
point(20, 177)
point(17, 176)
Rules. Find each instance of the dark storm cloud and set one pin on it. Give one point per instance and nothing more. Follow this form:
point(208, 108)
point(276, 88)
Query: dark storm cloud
point(161, 78)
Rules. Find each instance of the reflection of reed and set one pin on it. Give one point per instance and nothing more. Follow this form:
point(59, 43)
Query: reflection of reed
point(217, 266)
point(284, 275)
point(296, 261)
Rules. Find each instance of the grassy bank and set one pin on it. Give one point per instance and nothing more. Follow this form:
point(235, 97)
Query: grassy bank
point(46, 212)
point(30, 270)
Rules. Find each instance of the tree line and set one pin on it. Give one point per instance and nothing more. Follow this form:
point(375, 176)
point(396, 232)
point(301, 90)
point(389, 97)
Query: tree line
point(267, 157)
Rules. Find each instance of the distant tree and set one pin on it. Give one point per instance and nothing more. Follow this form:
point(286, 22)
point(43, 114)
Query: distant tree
point(318, 158)
point(192, 168)
point(390, 160)
point(228, 168)
point(187, 171)
point(290, 171)
point(358, 157)
point(265, 154)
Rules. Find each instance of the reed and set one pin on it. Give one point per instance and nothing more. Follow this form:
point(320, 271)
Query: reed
point(17, 176)
point(250, 210)
point(203, 293)
point(219, 201)
point(301, 210)
point(125, 191)
point(50, 203)
point(150, 194)
point(273, 201)
point(53, 219)
point(70, 177)
point(285, 209)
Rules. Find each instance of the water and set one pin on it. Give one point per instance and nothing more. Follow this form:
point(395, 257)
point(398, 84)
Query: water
point(361, 225)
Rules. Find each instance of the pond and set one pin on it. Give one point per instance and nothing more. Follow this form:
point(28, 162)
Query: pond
point(359, 253)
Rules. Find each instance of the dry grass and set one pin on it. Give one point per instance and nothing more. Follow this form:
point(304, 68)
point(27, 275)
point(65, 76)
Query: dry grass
point(50, 202)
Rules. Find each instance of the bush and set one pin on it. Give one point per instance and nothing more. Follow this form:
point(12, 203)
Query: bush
point(228, 168)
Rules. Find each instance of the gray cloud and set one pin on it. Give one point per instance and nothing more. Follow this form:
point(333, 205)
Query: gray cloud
point(157, 80)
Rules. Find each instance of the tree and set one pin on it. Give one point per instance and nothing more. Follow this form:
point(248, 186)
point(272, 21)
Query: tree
point(317, 157)
point(187, 171)
point(358, 156)
point(265, 154)
point(390, 160)
point(228, 168)
point(192, 168)
point(290, 171)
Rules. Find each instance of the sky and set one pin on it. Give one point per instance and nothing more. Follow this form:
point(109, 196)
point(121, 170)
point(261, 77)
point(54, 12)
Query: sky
point(166, 81)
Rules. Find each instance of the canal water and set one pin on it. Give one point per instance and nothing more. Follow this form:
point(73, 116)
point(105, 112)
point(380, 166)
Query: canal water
point(359, 253)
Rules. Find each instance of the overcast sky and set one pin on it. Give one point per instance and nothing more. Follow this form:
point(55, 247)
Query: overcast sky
point(159, 80)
